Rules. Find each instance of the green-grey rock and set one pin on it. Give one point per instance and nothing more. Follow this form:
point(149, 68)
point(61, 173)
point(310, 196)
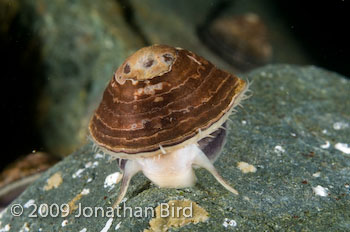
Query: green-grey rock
point(294, 129)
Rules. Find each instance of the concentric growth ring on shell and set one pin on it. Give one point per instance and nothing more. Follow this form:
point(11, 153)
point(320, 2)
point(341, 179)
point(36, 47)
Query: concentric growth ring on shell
point(163, 96)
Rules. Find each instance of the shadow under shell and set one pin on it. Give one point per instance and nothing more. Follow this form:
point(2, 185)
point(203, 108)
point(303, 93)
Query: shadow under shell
point(211, 146)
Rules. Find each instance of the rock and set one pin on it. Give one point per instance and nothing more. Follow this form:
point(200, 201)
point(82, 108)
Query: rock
point(283, 129)
point(240, 39)
point(81, 45)
point(18, 175)
point(285, 45)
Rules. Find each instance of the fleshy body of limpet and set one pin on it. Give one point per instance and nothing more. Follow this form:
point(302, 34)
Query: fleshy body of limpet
point(163, 112)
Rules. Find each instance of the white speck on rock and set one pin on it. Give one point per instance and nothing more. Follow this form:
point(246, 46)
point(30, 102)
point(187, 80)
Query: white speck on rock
point(118, 226)
point(85, 192)
point(244, 122)
point(98, 156)
point(112, 179)
point(6, 228)
point(78, 173)
point(279, 149)
point(326, 145)
point(316, 174)
point(25, 227)
point(245, 167)
point(343, 147)
point(81, 170)
point(88, 164)
point(89, 180)
point(228, 222)
point(340, 125)
point(29, 203)
point(108, 225)
point(83, 230)
point(324, 131)
point(320, 191)
point(91, 164)
point(64, 223)
point(293, 134)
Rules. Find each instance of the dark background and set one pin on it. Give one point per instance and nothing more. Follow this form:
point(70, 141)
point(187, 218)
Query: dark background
point(320, 26)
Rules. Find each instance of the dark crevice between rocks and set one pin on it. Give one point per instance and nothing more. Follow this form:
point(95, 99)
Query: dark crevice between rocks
point(215, 11)
point(128, 14)
point(22, 73)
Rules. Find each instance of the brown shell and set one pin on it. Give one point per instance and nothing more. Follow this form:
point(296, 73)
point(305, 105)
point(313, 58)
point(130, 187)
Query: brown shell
point(162, 98)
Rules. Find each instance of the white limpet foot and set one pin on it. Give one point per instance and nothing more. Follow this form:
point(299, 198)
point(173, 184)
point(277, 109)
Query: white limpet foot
point(174, 170)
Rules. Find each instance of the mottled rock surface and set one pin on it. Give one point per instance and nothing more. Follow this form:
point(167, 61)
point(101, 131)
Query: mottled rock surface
point(294, 130)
